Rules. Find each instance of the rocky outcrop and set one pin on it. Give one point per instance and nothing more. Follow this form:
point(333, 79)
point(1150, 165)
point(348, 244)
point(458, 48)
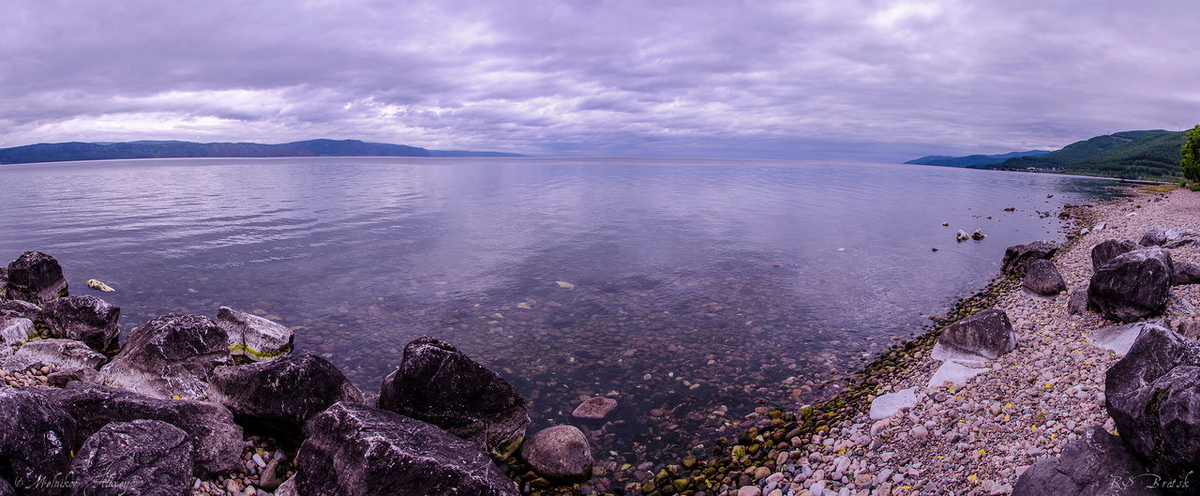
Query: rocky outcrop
point(594, 409)
point(559, 453)
point(1185, 273)
point(17, 331)
point(986, 334)
point(215, 439)
point(1132, 286)
point(10, 309)
point(36, 439)
point(1042, 278)
point(355, 449)
point(437, 383)
point(1095, 464)
point(62, 353)
point(82, 318)
point(172, 355)
point(1017, 257)
point(254, 337)
point(1152, 395)
point(146, 457)
point(35, 277)
point(281, 395)
point(1107, 250)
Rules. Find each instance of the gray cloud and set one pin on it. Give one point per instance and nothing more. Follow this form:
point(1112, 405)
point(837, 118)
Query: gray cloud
point(872, 79)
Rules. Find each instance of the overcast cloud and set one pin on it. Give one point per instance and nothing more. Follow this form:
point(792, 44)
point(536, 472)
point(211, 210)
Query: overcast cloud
point(885, 80)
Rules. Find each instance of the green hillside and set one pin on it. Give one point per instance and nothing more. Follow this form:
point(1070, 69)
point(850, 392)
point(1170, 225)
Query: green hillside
point(1152, 155)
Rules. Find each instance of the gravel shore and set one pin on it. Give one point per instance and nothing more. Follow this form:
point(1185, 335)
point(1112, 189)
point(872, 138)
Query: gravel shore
point(979, 438)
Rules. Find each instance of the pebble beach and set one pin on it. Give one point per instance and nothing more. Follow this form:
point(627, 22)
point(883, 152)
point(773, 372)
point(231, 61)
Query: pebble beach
point(976, 439)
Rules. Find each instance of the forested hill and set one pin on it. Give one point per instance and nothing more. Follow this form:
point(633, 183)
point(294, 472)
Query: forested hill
point(1152, 155)
point(59, 152)
point(1149, 155)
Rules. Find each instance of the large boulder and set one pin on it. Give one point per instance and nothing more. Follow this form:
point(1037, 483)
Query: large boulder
point(1185, 273)
point(1017, 257)
point(282, 395)
point(35, 277)
point(1132, 286)
point(561, 452)
point(987, 334)
point(17, 331)
point(10, 309)
point(354, 449)
point(82, 318)
point(170, 356)
point(1043, 278)
point(1107, 250)
point(254, 337)
point(36, 439)
point(437, 383)
point(62, 353)
point(146, 457)
point(215, 438)
point(1153, 395)
point(1095, 464)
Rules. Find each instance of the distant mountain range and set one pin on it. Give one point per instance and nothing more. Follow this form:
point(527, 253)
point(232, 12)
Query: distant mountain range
point(1150, 155)
point(60, 152)
point(969, 160)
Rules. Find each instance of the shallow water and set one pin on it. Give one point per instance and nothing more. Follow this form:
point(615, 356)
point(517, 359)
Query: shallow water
point(685, 284)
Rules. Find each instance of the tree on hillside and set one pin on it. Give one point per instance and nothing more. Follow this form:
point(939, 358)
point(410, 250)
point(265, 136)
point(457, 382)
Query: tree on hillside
point(1191, 156)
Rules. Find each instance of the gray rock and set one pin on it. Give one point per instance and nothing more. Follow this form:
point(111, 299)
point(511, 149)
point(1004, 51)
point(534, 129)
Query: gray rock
point(35, 277)
point(36, 439)
point(438, 384)
point(1095, 464)
point(61, 378)
point(270, 478)
point(1107, 250)
point(1132, 286)
point(1077, 302)
point(281, 395)
point(1186, 273)
point(988, 334)
point(5, 488)
point(254, 337)
point(216, 439)
point(146, 457)
point(561, 452)
point(17, 331)
point(1190, 328)
point(62, 353)
point(1043, 278)
point(355, 449)
point(1179, 243)
point(1153, 394)
point(172, 355)
point(288, 488)
point(594, 408)
point(10, 309)
point(82, 318)
point(1156, 236)
point(1017, 257)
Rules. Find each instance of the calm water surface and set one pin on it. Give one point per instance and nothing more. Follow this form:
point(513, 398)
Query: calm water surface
point(675, 286)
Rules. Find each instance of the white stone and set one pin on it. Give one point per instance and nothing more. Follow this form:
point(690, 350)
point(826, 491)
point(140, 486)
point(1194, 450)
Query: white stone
point(955, 373)
point(252, 336)
point(887, 405)
point(1118, 339)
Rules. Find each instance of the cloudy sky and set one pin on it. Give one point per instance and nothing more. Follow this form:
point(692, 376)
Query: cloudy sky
point(862, 79)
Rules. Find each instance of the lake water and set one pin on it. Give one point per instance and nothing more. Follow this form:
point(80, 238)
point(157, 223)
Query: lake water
point(675, 286)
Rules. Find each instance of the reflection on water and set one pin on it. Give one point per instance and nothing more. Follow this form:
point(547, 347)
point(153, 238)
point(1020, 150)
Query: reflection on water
point(686, 285)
